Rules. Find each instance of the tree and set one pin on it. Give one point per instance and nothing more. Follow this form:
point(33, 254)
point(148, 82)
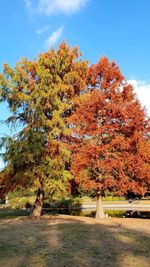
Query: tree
point(39, 94)
point(111, 151)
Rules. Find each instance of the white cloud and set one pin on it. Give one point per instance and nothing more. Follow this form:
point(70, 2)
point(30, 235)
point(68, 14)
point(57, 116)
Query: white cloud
point(142, 90)
point(28, 4)
point(49, 7)
point(54, 37)
point(45, 28)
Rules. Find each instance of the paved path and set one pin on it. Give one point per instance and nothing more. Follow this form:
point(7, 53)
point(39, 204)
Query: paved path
point(125, 206)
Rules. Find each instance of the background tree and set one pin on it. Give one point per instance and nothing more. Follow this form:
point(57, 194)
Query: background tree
point(39, 94)
point(111, 132)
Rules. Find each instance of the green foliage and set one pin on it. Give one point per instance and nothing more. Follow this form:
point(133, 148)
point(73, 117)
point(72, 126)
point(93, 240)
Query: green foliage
point(21, 198)
point(21, 202)
point(83, 199)
point(40, 95)
point(113, 198)
point(22, 192)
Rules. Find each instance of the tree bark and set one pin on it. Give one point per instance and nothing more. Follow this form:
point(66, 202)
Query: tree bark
point(38, 205)
point(99, 208)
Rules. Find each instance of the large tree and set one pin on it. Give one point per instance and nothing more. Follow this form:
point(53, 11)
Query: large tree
point(39, 95)
point(111, 151)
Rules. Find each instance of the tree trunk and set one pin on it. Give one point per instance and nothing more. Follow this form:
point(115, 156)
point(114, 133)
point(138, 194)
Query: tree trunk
point(99, 208)
point(38, 205)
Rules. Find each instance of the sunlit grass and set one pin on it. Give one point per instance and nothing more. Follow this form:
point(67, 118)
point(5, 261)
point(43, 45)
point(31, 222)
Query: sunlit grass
point(59, 241)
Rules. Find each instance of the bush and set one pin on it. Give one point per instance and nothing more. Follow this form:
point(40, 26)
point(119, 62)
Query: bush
point(86, 199)
point(113, 198)
point(47, 205)
point(21, 202)
point(65, 203)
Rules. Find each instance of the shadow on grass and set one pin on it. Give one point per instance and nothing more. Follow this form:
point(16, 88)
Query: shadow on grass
point(26, 243)
point(7, 212)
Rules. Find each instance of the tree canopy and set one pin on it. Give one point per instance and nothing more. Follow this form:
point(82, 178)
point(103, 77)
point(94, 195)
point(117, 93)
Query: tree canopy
point(39, 94)
point(77, 121)
point(111, 149)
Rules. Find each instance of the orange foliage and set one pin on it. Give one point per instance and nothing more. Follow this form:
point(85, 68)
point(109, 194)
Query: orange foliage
point(111, 150)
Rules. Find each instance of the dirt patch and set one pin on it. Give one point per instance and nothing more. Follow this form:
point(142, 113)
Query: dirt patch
point(71, 241)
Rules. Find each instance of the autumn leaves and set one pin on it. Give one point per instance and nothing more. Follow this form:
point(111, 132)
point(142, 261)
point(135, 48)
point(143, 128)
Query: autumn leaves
point(78, 122)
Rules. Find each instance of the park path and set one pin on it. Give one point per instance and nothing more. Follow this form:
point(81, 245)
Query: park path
point(119, 206)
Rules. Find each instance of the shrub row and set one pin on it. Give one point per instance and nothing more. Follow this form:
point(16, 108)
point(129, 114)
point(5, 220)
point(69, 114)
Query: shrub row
point(27, 202)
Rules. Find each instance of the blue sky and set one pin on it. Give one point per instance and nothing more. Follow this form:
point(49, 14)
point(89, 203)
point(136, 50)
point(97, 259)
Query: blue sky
point(119, 29)
point(116, 28)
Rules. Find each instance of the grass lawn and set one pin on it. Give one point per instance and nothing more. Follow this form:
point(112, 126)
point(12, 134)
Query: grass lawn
point(68, 241)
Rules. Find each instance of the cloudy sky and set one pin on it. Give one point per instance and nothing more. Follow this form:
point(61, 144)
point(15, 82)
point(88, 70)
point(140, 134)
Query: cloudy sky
point(118, 29)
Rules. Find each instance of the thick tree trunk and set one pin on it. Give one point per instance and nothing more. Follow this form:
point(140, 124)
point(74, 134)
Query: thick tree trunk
point(38, 205)
point(99, 208)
